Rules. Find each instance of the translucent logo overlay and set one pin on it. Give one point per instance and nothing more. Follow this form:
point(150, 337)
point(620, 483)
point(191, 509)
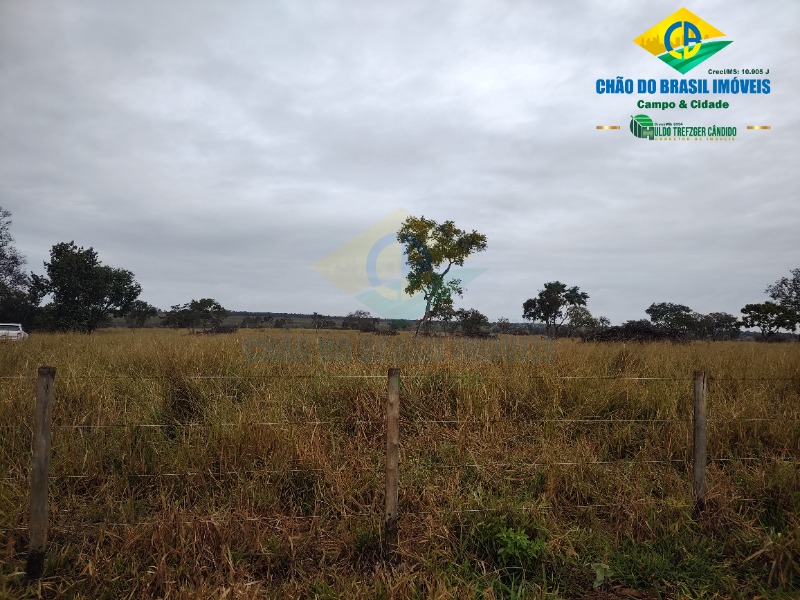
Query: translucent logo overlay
point(371, 267)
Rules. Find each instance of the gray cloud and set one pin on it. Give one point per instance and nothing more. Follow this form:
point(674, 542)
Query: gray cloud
point(223, 151)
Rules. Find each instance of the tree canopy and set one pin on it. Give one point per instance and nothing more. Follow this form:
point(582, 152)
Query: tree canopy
point(197, 314)
point(471, 320)
point(12, 277)
point(138, 313)
point(674, 317)
point(84, 292)
point(786, 292)
point(360, 320)
point(769, 317)
point(16, 304)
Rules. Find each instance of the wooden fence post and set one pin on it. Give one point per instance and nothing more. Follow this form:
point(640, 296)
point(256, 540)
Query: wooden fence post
point(43, 419)
point(392, 463)
point(700, 451)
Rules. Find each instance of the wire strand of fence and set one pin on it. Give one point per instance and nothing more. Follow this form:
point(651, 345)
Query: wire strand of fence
point(407, 375)
point(81, 527)
point(542, 420)
point(320, 375)
point(626, 463)
point(483, 465)
point(212, 425)
point(597, 420)
point(213, 474)
point(522, 420)
point(712, 379)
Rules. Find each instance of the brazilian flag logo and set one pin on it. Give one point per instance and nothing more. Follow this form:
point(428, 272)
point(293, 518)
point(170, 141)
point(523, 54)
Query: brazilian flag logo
point(683, 40)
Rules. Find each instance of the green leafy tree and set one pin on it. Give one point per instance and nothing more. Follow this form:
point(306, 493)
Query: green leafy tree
point(550, 306)
point(431, 250)
point(399, 324)
point(207, 312)
point(673, 317)
point(255, 322)
point(360, 320)
point(319, 321)
point(579, 319)
point(138, 313)
point(84, 292)
point(203, 313)
point(471, 321)
point(713, 326)
point(177, 316)
point(17, 302)
point(702, 326)
point(284, 323)
point(724, 326)
point(503, 325)
point(786, 292)
point(769, 318)
point(12, 277)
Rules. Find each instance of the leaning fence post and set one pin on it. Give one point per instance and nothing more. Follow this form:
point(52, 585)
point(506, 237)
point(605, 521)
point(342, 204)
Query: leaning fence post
point(41, 462)
point(392, 462)
point(700, 452)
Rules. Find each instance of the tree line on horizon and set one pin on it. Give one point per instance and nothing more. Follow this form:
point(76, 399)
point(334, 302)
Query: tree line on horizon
point(79, 293)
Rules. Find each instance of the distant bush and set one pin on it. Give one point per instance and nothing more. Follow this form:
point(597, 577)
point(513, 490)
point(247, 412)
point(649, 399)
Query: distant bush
point(634, 331)
point(360, 320)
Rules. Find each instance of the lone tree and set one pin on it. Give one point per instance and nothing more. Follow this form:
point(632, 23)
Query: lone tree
point(431, 250)
point(551, 305)
point(84, 292)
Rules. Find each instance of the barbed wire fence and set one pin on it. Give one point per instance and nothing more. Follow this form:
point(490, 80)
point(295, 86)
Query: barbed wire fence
point(42, 428)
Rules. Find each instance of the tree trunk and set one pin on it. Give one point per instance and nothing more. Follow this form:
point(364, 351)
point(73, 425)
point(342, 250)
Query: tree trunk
point(426, 317)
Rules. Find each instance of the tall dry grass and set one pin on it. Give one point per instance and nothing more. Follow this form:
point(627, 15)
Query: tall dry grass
point(251, 465)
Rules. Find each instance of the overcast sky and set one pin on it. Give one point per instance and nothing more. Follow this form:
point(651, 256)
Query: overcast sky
point(225, 149)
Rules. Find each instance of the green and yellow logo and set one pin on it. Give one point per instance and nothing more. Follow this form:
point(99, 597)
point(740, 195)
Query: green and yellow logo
point(642, 127)
point(683, 40)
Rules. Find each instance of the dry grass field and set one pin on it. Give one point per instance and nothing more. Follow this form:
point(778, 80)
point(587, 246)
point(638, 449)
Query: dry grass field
point(251, 465)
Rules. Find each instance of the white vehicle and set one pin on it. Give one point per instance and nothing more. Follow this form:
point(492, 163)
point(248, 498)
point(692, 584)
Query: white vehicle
point(12, 331)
